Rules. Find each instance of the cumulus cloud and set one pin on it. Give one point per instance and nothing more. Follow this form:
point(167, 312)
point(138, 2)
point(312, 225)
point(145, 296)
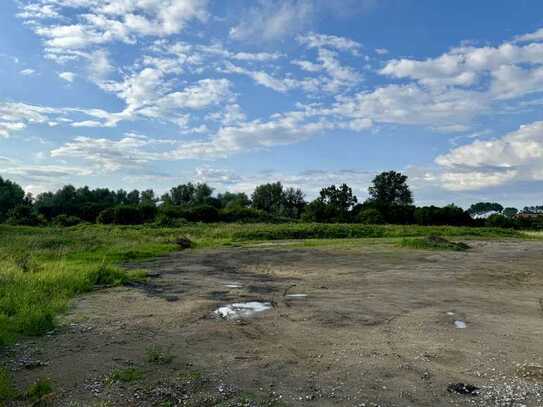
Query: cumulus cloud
point(67, 76)
point(513, 157)
point(87, 23)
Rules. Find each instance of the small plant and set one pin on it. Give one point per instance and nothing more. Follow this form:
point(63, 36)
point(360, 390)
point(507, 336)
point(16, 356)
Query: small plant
point(156, 355)
point(7, 391)
point(128, 375)
point(39, 390)
point(434, 243)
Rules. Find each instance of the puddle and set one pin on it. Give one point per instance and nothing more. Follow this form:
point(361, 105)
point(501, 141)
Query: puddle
point(296, 295)
point(460, 324)
point(242, 309)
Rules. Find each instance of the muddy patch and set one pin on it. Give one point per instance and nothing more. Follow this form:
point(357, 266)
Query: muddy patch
point(242, 310)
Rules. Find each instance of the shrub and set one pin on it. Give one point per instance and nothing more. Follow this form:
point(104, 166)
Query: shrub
point(121, 215)
point(66, 220)
point(371, 216)
point(166, 221)
point(37, 391)
point(156, 355)
point(247, 215)
point(203, 213)
point(24, 215)
point(7, 390)
point(106, 217)
point(126, 375)
point(499, 221)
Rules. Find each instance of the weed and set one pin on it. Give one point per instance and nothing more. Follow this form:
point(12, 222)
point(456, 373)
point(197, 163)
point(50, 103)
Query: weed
point(38, 390)
point(128, 375)
point(156, 355)
point(7, 390)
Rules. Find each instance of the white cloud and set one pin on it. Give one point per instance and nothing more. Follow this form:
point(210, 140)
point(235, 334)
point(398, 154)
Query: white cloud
point(314, 40)
point(67, 76)
point(504, 66)
point(273, 20)
point(27, 72)
point(535, 36)
point(92, 22)
point(16, 116)
point(109, 155)
point(516, 156)
point(257, 56)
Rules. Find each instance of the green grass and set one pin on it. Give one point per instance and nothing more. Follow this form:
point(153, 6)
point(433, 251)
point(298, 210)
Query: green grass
point(38, 390)
point(7, 390)
point(128, 375)
point(42, 269)
point(433, 243)
point(155, 354)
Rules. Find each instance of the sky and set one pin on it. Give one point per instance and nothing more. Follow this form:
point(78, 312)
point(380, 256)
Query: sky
point(139, 94)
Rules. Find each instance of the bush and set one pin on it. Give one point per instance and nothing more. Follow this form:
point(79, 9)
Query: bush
point(448, 215)
point(121, 215)
point(200, 213)
point(499, 221)
point(24, 215)
point(106, 217)
point(203, 213)
point(371, 216)
point(66, 220)
point(244, 215)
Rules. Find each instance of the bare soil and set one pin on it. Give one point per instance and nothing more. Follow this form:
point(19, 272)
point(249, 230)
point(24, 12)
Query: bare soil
point(375, 329)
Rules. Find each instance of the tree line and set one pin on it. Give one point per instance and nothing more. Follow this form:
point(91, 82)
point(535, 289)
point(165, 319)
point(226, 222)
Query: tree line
point(390, 201)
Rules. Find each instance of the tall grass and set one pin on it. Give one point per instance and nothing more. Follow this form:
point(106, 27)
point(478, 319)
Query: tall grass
point(41, 269)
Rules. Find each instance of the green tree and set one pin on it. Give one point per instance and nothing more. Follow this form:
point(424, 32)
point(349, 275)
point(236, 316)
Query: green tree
point(269, 198)
point(294, 203)
point(148, 198)
point(339, 199)
point(509, 212)
point(390, 188)
point(133, 197)
point(11, 196)
point(230, 200)
point(483, 208)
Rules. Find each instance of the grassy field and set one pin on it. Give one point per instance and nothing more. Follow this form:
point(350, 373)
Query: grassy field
point(41, 269)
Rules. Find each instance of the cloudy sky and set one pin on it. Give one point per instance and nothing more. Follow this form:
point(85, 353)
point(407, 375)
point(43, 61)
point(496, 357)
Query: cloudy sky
point(153, 93)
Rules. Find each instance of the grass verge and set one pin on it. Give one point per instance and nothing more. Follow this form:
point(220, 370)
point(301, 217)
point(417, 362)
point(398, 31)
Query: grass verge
point(41, 269)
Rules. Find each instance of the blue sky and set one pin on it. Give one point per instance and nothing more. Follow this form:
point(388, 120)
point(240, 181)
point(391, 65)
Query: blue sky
point(153, 93)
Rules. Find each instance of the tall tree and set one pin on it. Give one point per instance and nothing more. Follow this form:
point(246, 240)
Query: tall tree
point(390, 188)
point(11, 195)
point(294, 202)
point(269, 197)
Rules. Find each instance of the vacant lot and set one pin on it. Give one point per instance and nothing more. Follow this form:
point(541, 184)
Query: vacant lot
point(354, 323)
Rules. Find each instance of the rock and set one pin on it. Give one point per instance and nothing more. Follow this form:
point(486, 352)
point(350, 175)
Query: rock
point(184, 243)
point(461, 388)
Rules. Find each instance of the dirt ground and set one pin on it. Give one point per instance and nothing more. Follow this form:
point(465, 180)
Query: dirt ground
point(377, 328)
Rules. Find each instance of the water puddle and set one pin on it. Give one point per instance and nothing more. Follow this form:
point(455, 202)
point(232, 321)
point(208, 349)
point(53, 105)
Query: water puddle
point(242, 309)
point(460, 324)
point(296, 295)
